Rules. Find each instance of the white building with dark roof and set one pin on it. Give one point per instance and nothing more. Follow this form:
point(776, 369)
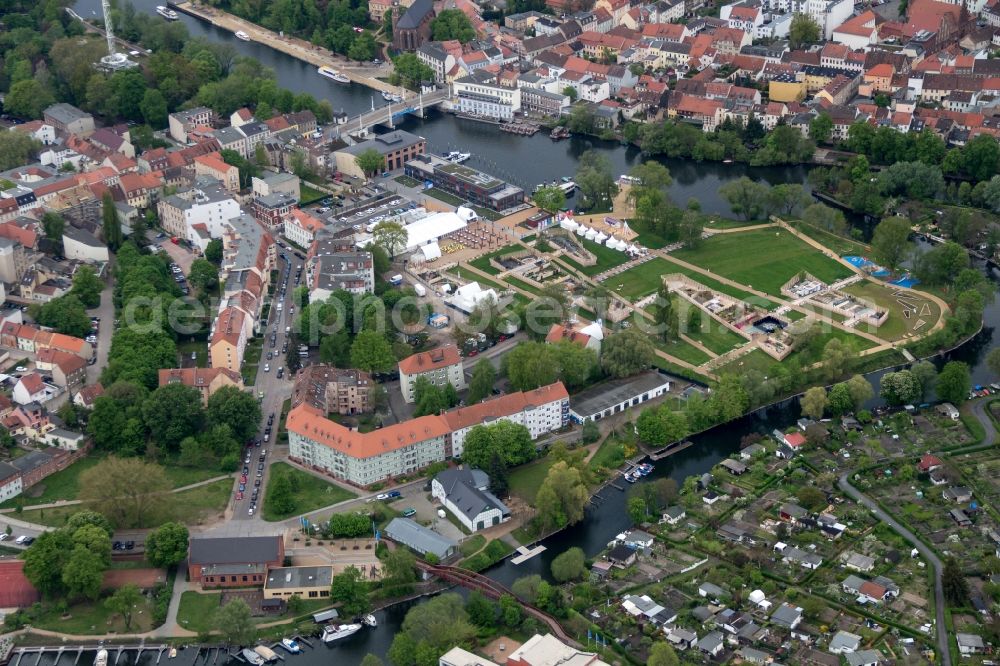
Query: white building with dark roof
point(465, 493)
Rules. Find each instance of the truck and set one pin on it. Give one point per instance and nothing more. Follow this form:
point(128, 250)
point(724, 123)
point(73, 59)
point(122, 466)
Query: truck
point(420, 290)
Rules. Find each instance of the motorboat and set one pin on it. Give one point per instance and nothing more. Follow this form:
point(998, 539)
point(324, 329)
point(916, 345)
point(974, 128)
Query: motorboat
point(267, 653)
point(291, 645)
point(332, 74)
point(172, 654)
point(457, 157)
point(567, 187)
point(631, 477)
point(167, 13)
point(101, 659)
point(335, 632)
point(242, 36)
point(369, 621)
point(252, 657)
point(387, 96)
point(644, 469)
point(396, 98)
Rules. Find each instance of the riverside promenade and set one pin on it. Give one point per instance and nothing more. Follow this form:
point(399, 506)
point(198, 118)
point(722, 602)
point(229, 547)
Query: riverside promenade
point(364, 74)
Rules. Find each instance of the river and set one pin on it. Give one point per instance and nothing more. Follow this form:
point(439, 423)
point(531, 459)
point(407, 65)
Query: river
point(527, 161)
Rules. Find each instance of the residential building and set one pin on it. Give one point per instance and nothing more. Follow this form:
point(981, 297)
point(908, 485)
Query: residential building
point(10, 482)
point(459, 657)
point(465, 493)
point(66, 440)
point(617, 395)
point(84, 246)
point(13, 262)
point(397, 147)
point(233, 561)
point(229, 340)
point(438, 366)
point(303, 582)
point(207, 203)
point(541, 102)
point(301, 227)
point(30, 388)
point(206, 380)
point(548, 650)
point(182, 122)
point(480, 95)
point(970, 643)
point(437, 58)
point(330, 266)
point(420, 539)
point(69, 119)
point(277, 183)
point(271, 210)
point(864, 658)
point(402, 448)
point(844, 642)
point(213, 166)
point(68, 371)
point(333, 390)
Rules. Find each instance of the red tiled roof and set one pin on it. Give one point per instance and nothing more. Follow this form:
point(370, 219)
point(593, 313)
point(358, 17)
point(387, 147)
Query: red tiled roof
point(426, 361)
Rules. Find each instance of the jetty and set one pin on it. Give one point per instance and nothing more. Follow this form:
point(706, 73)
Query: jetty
point(76, 651)
point(524, 553)
point(520, 128)
point(669, 450)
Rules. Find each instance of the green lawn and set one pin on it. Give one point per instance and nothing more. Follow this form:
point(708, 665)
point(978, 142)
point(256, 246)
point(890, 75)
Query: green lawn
point(196, 610)
point(521, 284)
point(441, 195)
point(684, 351)
point(842, 246)
point(721, 287)
point(896, 326)
point(754, 360)
point(191, 507)
point(525, 480)
point(308, 493)
point(611, 454)
point(807, 356)
point(606, 257)
point(185, 349)
point(308, 195)
point(764, 259)
point(640, 281)
point(487, 213)
point(93, 617)
point(715, 336)
point(185, 476)
point(483, 262)
point(472, 545)
point(406, 181)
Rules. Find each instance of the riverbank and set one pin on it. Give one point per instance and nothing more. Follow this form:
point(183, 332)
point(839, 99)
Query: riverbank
point(366, 75)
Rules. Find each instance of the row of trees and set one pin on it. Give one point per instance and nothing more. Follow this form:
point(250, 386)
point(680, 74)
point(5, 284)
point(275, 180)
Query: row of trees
point(749, 143)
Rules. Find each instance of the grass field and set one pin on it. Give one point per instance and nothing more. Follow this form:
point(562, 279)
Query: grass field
point(196, 610)
point(191, 507)
point(712, 334)
point(185, 349)
point(525, 480)
point(754, 360)
point(723, 288)
point(308, 493)
point(842, 246)
point(897, 325)
point(441, 195)
point(606, 258)
point(521, 284)
point(93, 617)
point(610, 455)
point(763, 260)
point(406, 181)
point(65, 484)
point(483, 262)
point(308, 195)
point(640, 281)
point(684, 351)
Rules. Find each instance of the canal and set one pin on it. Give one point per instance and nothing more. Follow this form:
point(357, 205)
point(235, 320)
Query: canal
point(526, 162)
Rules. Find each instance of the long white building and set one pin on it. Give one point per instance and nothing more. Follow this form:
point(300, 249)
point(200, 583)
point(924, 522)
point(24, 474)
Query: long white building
point(403, 448)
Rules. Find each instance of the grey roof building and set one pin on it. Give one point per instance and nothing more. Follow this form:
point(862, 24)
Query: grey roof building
point(844, 642)
point(787, 616)
point(863, 658)
point(234, 549)
point(464, 493)
point(420, 538)
point(617, 395)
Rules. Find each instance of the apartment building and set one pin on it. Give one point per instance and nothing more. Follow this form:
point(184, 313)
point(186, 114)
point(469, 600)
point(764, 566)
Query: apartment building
point(206, 380)
point(229, 340)
point(207, 203)
point(333, 390)
point(439, 366)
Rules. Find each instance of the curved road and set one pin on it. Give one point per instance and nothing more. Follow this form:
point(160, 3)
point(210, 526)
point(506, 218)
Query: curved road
point(979, 411)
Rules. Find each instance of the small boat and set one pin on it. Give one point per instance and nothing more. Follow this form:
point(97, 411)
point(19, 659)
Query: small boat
point(252, 657)
point(335, 632)
point(291, 645)
point(102, 658)
point(631, 477)
point(567, 187)
point(396, 98)
point(172, 654)
point(267, 653)
point(644, 469)
point(457, 157)
point(331, 73)
point(242, 36)
point(387, 96)
point(167, 13)
point(369, 621)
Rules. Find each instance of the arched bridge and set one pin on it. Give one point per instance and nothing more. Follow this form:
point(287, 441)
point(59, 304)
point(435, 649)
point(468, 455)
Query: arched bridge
point(493, 590)
point(387, 114)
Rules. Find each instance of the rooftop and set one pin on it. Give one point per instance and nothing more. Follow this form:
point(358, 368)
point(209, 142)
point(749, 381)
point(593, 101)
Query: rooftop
point(614, 392)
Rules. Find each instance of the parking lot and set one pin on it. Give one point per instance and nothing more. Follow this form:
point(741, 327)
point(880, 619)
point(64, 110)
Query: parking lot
point(177, 253)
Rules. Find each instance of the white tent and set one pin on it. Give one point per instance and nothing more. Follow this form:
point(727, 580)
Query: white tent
point(611, 242)
point(467, 297)
point(581, 230)
point(621, 246)
point(625, 228)
point(594, 330)
point(634, 249)
point(467, 214)
point(600, 237)
point(591, 234)
point(567, 223)
point(431, 251)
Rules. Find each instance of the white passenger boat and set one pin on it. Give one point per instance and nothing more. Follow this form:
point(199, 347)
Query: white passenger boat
point(167, 13)
point(335, 632)
point(332, 74)
point(242, 36)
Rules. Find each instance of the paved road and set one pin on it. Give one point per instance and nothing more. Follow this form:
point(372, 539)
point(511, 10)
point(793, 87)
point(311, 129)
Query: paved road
point(106, 312)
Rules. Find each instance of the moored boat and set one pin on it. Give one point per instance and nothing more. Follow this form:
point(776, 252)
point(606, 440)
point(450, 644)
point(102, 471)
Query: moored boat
point(369, 620)
point(291, 645)
point(644, 469)
point(332, 74)
point(167, 13)
point(101, 659)
point(335, 632)
point(252, 657)
point(242, 36)
point(457, 157)
point(267, 653)
point(387, 96)
point(631, 477)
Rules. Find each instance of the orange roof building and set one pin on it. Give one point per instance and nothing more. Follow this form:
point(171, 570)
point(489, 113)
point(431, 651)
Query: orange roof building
point(403, 448)
point(438, 366)
point(206, 380)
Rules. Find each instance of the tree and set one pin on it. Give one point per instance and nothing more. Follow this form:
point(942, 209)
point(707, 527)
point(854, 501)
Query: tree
point(83, 573)
point(126, 490)
point(350, 589)
point(820, 127)
point(411, 70)
point(595, 175)
point(27, 99)
point(511, 441)
point(826, 218)
point(111, 227)
point(890, 242)
point(236, 409)
point(213, 251)
point(430, 629)
point(482, 612)
point(942, 264)
point(371, 352)
point(980, 157)
point(956, 587)
point(837, 357)
point(954, 382)
point(662, 425)
point(87, 286)
point(745, 197)
point(204, 275)
point(400, 566)
point(167, 545)
point(662, 654)
point(569, 565)
point(813, 402)
point(53, 225)
point(65, 314)
point(803, 30)
point(363, 48)
point(549, 198)
point(525, 588)
point(173, 412)
point(390, 236)
point(626, 353)
point(811, 498)
point(484, 376)
point(664, 314)
point(570, 91)
point(371, 659)
point(154, 108)
point(235, 623)
point(44, 561)
point(561, 497)
point(370, 161)
point(926, 375)
point(899, 388)
point(124, 602)
point(16, 149)
point(860, 391)
point(530, 365)
point(452, 24)
point(993, 360)
point(839, 401)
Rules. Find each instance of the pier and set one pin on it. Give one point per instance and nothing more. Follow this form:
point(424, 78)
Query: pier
point(669, 450)
point(17, 654)
point(524, 553)
point(520, 128)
